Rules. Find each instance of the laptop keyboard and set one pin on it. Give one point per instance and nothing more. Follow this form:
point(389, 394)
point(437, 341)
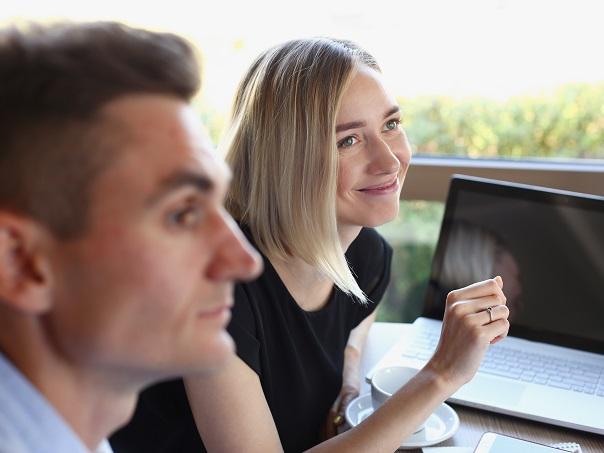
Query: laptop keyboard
point(524, 366)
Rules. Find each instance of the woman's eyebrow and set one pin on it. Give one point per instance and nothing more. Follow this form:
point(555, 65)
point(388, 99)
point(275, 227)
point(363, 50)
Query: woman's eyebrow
point(392, 111)
point(350, 125)
point(356, 124)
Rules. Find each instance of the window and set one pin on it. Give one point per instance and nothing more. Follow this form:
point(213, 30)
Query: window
point(498, 79)
point(413, 237)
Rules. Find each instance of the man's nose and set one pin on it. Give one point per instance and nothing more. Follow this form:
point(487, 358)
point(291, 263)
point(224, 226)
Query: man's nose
point(235, 258)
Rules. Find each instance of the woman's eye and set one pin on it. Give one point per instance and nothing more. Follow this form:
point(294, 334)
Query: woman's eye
point(187, 217)
point(392, 124)
point(347, 142)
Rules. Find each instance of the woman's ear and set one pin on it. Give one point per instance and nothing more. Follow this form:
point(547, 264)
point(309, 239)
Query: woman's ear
point(25, 271)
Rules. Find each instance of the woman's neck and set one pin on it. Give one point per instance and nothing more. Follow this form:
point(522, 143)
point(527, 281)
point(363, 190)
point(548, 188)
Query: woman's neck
point(309, 287)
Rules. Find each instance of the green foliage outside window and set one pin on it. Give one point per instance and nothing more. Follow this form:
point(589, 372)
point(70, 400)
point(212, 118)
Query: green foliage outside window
point(568, 123)
point(412, 235)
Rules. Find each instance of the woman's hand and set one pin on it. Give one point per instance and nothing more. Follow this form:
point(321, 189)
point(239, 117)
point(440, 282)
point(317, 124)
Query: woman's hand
point(335, 418)
point(351, 376)
point(468, 329)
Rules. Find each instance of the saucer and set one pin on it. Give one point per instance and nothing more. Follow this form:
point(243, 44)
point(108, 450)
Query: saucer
point(441, 424)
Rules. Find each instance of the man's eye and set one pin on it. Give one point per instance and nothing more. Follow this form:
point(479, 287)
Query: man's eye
point(392, 124)
point(187, 217)
point(347, 142)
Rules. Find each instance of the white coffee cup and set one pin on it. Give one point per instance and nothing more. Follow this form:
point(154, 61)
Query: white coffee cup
point(386, 381)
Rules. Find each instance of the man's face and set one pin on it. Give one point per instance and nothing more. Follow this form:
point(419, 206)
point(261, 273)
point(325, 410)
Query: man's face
point(147, 290)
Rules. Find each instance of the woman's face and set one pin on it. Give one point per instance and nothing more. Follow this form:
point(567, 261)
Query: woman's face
point(373, 152)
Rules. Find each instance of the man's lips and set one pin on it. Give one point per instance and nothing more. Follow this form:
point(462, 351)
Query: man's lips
point(218, 311)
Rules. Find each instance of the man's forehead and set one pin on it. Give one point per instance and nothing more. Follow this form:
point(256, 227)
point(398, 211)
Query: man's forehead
point(168, 132)
point(213, 167)
point(152, 116)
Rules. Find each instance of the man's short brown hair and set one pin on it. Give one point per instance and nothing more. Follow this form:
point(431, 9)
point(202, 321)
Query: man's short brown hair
point(54, 80)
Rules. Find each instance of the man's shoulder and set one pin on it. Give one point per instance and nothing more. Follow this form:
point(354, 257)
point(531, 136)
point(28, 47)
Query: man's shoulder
point(28, 421)
point(10, 439)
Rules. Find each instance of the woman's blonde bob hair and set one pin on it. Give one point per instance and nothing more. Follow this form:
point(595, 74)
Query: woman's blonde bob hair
point(282, 150)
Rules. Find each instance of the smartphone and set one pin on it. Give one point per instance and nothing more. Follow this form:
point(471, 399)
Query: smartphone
point(500, 443)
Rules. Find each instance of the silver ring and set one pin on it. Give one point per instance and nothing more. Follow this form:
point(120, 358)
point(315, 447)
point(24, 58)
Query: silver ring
point(490, 312)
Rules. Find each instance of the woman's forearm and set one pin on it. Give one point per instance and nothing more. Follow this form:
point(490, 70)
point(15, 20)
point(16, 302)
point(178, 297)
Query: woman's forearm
point(396, 419)
point(351, 373)
point(354, 351)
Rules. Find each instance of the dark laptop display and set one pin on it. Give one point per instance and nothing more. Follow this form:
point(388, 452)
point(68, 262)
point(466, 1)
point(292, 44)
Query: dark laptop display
point(548, 246)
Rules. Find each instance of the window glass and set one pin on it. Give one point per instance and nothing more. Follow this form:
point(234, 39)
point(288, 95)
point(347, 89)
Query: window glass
point(413, 236)
point(476, 78)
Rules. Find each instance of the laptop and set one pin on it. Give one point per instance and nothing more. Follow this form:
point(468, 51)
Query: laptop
point(548, 245)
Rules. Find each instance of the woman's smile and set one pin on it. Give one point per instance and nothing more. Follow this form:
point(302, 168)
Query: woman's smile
point(385, 188)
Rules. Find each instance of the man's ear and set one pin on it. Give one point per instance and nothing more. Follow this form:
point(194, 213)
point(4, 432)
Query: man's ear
point(25, 271)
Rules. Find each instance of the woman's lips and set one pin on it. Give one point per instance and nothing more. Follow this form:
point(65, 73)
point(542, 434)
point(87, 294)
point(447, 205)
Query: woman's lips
point(382, 189)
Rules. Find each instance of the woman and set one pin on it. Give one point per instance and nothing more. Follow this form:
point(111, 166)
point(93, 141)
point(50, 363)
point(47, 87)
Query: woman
point(318, 158)
point(318, 155)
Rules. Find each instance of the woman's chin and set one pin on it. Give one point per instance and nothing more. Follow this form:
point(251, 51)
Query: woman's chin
point(369, 215)
point(374, 221)
point(384, 216)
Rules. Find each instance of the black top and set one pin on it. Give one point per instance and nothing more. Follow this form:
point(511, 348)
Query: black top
point(297, 354)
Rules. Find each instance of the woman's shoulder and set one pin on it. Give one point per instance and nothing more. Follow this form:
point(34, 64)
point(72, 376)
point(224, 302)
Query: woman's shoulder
point(369, 257)
point(367, 245)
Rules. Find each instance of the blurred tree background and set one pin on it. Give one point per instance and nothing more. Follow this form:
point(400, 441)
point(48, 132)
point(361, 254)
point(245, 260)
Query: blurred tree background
point(412, 235)
point(567, 123)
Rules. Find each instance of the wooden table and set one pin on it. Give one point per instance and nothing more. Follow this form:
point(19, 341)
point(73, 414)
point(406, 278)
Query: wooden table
point(474, 422)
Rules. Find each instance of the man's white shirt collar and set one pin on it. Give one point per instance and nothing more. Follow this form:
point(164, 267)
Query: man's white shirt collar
point(29, 423)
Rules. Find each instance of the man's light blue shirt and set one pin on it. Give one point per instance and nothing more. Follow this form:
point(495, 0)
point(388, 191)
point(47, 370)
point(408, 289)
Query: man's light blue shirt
point(29, 423)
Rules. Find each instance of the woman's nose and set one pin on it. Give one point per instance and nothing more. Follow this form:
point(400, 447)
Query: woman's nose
point(383, 159)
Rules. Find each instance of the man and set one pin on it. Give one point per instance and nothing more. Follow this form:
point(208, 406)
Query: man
point(116, 257)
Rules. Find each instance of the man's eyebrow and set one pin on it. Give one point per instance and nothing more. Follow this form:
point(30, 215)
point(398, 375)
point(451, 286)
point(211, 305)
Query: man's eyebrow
point(178, 180)
point(355, 124)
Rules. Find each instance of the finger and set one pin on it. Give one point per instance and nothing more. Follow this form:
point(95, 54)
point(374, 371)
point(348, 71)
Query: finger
point(331, 424)
point(482, 318)
point(496, 329)
point(337, 421)
point(477, 290)
point(346, 400)
point(498, 339)
point(329, 430)
point(467, 307)
point(335, 406)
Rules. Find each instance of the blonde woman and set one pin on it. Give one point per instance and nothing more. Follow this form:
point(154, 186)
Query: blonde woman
point(318, 159)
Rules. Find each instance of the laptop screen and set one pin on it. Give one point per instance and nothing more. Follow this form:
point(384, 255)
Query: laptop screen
point(547, 245)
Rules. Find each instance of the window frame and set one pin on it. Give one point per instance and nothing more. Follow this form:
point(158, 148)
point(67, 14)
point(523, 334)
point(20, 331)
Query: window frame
point(428, 177)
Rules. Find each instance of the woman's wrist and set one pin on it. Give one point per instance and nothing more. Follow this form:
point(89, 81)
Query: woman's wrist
point(352, 368)
point(352, 354)
point(444, 381)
